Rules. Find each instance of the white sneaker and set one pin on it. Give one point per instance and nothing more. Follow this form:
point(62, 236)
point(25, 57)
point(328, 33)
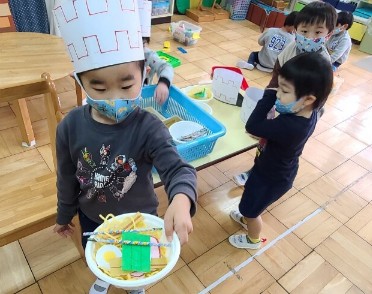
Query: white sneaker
point(244, 64)
point(243, 241)
point(262, 68)
point(99, 287)
point(241, 178)
point(238, 217)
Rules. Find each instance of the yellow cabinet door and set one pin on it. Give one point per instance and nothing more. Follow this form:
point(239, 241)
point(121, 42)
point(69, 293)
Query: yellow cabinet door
point(357, 31)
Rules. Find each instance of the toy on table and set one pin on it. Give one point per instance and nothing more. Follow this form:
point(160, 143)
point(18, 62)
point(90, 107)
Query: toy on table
point(187, 131)
point(228, 85)
point(244, 85)
point(200, 93)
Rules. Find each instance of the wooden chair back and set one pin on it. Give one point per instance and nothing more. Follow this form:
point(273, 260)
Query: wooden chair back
point(26, 219)
point(54, 117)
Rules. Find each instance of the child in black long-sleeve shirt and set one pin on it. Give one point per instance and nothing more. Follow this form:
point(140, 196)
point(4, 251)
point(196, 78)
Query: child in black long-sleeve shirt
point(305, 82)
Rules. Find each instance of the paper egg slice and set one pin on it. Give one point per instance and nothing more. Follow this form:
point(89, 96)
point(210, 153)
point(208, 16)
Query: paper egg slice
point(105, 254)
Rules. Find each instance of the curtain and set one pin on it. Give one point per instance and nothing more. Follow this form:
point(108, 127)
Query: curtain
point(52, 22)
point(30, 15)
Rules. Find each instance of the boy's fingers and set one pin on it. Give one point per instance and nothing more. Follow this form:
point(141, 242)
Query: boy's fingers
point(183, 235)
point(168, 227)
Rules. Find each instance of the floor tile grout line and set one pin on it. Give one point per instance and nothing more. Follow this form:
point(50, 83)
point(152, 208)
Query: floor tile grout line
point(28, 263)
point(236, 269)
point(322, 207)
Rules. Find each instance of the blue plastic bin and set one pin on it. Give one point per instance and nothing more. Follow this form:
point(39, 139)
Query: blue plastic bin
point(181, 105)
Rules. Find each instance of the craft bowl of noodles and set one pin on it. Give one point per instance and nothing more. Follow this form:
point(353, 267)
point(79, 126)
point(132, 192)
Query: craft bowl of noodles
point(105, 260)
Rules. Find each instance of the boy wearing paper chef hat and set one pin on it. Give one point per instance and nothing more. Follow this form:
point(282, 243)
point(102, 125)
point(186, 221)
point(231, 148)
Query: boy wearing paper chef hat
point(107, 148)
point(153, 62)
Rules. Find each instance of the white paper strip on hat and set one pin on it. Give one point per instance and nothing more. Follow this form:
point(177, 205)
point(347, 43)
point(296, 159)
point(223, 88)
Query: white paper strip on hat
point(226, 84)
point(99, 33)
point(145, 8)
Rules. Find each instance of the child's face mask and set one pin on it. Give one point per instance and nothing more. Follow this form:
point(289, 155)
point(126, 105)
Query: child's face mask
point(114, 91)
point(287, 108)
point(115, 109)
point(337, 31)
point(304, 44)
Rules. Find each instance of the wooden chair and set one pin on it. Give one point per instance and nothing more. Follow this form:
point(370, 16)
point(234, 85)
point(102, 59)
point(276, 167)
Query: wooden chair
point(30, 208)
point(54, 116)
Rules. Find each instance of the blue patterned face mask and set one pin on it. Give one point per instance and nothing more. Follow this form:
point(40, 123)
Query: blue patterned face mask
point(309, 45)
point(286, 108)
point(115, 109)
point(337, 31)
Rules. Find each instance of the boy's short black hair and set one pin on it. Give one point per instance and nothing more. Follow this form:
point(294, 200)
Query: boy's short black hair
point(146, 39)
point(345, 17)
point(317, 12)
point(311, 74)
point(290, 19)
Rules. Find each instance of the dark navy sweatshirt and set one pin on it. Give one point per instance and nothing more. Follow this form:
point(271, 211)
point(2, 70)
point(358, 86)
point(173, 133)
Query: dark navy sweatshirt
point(284, 139)
point(106, 169)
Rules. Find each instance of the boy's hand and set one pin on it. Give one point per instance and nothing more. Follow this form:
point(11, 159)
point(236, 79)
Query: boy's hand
point(177, 218)
point(64, 230)
point(161, 93)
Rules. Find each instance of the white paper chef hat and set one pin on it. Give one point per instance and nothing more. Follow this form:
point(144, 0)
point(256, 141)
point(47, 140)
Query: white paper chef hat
point(145, 8)
point(226, 85)
point(99, 33)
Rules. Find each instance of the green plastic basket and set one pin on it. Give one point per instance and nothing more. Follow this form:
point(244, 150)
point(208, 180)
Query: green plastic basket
point(173, 61)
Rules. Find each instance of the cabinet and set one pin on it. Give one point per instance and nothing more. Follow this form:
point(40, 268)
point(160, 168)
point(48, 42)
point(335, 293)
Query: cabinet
point(357, 30)
point(260, 17)
point(359, 27)
point(366, 44)
point(162, 11)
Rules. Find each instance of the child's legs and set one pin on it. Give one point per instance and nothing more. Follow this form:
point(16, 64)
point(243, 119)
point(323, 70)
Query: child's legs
point(254, 226)
point(258, 194)
point(87, 225)
point(253, 58)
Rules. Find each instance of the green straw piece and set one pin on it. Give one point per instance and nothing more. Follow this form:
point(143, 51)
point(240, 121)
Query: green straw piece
point(136, 258)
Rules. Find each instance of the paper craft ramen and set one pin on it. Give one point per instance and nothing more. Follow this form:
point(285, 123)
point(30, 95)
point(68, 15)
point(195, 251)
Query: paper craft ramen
point(109, 257)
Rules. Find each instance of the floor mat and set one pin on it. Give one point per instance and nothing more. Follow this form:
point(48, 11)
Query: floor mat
point(365, 63)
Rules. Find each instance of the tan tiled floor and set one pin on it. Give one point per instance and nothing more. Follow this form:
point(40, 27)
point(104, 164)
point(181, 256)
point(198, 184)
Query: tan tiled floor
point(330, 253)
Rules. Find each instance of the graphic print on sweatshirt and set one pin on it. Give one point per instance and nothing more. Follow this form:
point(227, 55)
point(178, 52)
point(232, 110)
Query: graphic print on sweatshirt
point(261, 146)
point(333, 45)
point(277, 43)
point(108, 178)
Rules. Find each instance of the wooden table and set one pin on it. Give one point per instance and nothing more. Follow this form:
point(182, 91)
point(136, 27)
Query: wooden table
point(23, 58)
